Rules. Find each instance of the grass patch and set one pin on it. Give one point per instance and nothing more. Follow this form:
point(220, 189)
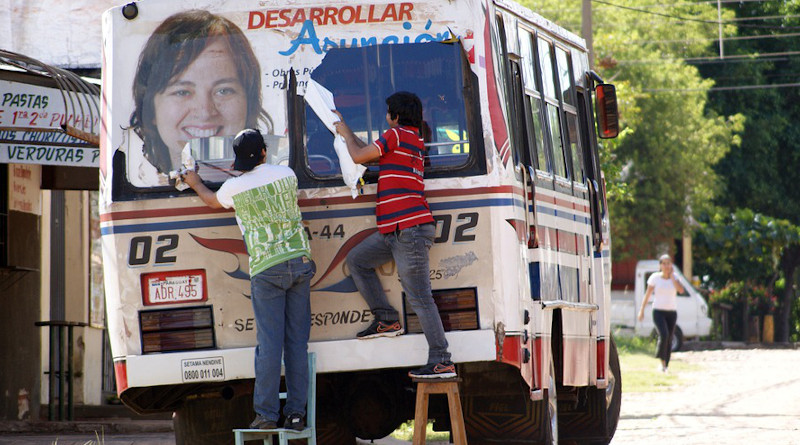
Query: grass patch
point(641, 370)
point(406, 432)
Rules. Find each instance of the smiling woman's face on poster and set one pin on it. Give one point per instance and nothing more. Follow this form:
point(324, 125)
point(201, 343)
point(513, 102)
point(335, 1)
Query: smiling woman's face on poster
point(206, 99)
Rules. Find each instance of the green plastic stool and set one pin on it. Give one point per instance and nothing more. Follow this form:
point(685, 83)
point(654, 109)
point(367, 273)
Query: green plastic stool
point(285, 435)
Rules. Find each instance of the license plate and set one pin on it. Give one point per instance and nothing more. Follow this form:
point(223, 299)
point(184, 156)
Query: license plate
point(174, 287)
point(203, 369)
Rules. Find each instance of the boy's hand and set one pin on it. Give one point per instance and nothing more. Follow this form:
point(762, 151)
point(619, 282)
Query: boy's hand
point(341, 127)
point(191, 178)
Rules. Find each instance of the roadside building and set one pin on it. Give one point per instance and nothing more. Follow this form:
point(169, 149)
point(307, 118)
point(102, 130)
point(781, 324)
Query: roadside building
point(50, 269)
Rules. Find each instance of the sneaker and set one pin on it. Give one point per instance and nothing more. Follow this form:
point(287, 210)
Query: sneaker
point(295, 422)
point(443, 370)
point(381, 329)
point(262, 423)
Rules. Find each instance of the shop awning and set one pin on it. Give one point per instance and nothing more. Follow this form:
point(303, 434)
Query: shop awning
point(48, 115)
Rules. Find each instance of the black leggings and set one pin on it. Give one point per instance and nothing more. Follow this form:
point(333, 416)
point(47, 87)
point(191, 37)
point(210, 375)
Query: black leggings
point(665, 324)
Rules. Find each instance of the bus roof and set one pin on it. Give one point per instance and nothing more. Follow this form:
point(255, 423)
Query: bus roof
point(542, 22)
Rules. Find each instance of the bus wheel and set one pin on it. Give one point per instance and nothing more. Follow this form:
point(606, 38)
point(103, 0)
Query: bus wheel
point(375, 405)
point(332, 432)
point(613, 391)
point(209, 420)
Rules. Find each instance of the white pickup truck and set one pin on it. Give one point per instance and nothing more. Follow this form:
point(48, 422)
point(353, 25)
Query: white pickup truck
point(693, 320)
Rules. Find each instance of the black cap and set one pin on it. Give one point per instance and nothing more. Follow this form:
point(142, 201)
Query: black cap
point(247, 146)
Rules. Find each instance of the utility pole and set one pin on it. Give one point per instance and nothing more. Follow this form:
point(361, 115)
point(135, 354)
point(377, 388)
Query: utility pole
point(719, 21)
point(586, 29)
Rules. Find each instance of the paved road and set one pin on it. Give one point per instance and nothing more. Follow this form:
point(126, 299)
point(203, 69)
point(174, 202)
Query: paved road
point(730, 397)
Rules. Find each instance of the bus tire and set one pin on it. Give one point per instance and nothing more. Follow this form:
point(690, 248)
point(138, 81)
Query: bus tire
point(613, 392)
point(209, 420)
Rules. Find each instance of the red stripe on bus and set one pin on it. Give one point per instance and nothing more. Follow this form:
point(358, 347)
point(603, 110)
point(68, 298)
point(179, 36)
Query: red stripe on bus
point(183, 211)
point(160, 213)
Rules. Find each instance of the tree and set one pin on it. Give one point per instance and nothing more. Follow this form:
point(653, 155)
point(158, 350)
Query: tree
point(761, 173)
point(745, 246)
point(670, 141)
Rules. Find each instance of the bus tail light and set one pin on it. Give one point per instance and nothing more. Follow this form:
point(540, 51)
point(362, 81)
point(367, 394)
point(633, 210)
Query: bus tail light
point(601, 359)
point(182, 329)
point(457, 307)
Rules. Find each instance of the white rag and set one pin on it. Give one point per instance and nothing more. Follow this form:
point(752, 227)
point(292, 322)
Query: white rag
point(187, 164)
point(321, 101)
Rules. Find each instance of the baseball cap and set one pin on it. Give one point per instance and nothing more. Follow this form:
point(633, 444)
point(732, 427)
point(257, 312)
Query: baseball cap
point(247, 146)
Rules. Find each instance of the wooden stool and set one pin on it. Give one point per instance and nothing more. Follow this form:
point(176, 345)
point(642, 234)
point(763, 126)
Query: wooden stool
point(439, 386)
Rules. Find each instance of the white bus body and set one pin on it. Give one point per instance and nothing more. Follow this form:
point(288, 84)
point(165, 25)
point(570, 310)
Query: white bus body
point(521, 262)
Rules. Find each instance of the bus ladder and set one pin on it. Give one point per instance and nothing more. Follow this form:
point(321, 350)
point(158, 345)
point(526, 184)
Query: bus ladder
point(284, 435)
point(426, 387)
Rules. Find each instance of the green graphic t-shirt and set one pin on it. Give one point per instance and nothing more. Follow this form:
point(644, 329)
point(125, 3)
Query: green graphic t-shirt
point(265, 200)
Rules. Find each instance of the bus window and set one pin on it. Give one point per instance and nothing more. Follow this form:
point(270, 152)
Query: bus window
point(564, 77)
point(362, 78)
point(526, 51)
point(578, 171)
point(534, 99)
point(552, 110)
point(573, 139)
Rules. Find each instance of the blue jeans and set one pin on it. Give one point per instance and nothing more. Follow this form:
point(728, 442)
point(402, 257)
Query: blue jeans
point(409, 250)
point(282, 309)
point(665, 325)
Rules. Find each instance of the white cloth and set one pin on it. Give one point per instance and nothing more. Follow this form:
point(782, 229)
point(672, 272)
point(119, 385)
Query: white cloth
point(665, 296)
point(187, 164)
point(321, 101)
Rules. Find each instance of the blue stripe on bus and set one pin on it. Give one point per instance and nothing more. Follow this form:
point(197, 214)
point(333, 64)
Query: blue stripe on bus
point(171, 225)
point(562, 214)
point(536, 281)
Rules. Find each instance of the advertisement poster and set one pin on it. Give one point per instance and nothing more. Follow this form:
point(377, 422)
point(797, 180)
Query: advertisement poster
point(30, 127)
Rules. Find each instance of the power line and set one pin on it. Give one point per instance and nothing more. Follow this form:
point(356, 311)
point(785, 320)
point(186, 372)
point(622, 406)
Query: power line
point(691, 19)
point(668, 5)
point(724, 39)
point(717, 59)
point(731, 88)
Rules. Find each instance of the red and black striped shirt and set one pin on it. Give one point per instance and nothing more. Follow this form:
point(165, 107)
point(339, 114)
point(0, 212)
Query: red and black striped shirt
point(401, 191)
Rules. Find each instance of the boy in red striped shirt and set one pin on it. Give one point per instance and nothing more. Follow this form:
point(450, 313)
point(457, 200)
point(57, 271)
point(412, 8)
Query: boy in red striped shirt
point(405, 231)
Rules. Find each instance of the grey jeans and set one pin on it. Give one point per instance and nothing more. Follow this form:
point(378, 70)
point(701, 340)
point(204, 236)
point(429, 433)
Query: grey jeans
point(409, 250)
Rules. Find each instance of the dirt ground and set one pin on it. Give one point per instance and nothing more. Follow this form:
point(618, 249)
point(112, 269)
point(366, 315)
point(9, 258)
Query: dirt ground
point(730, 396)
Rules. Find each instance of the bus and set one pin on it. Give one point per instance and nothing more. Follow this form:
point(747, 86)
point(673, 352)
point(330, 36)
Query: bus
point(520, 266)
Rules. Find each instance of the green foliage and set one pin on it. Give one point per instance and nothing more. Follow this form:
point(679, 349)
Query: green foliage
point(741, 246)
point(660, 168)
point(758, 299)
point(406, 432)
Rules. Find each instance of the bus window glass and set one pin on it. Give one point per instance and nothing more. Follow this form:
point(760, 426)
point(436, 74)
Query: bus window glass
point(564, 76)
point(362, 78)
point(526, 50)
point(578, 174)
point(535, 123)
point(559, 166)
point(580, 65)
point(548, 81)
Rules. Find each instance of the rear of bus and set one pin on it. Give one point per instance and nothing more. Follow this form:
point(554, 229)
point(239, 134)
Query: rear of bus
point(179, 315)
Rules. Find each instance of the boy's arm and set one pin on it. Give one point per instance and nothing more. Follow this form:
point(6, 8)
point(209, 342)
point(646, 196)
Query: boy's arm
point(192, 179)
point(359, 151)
